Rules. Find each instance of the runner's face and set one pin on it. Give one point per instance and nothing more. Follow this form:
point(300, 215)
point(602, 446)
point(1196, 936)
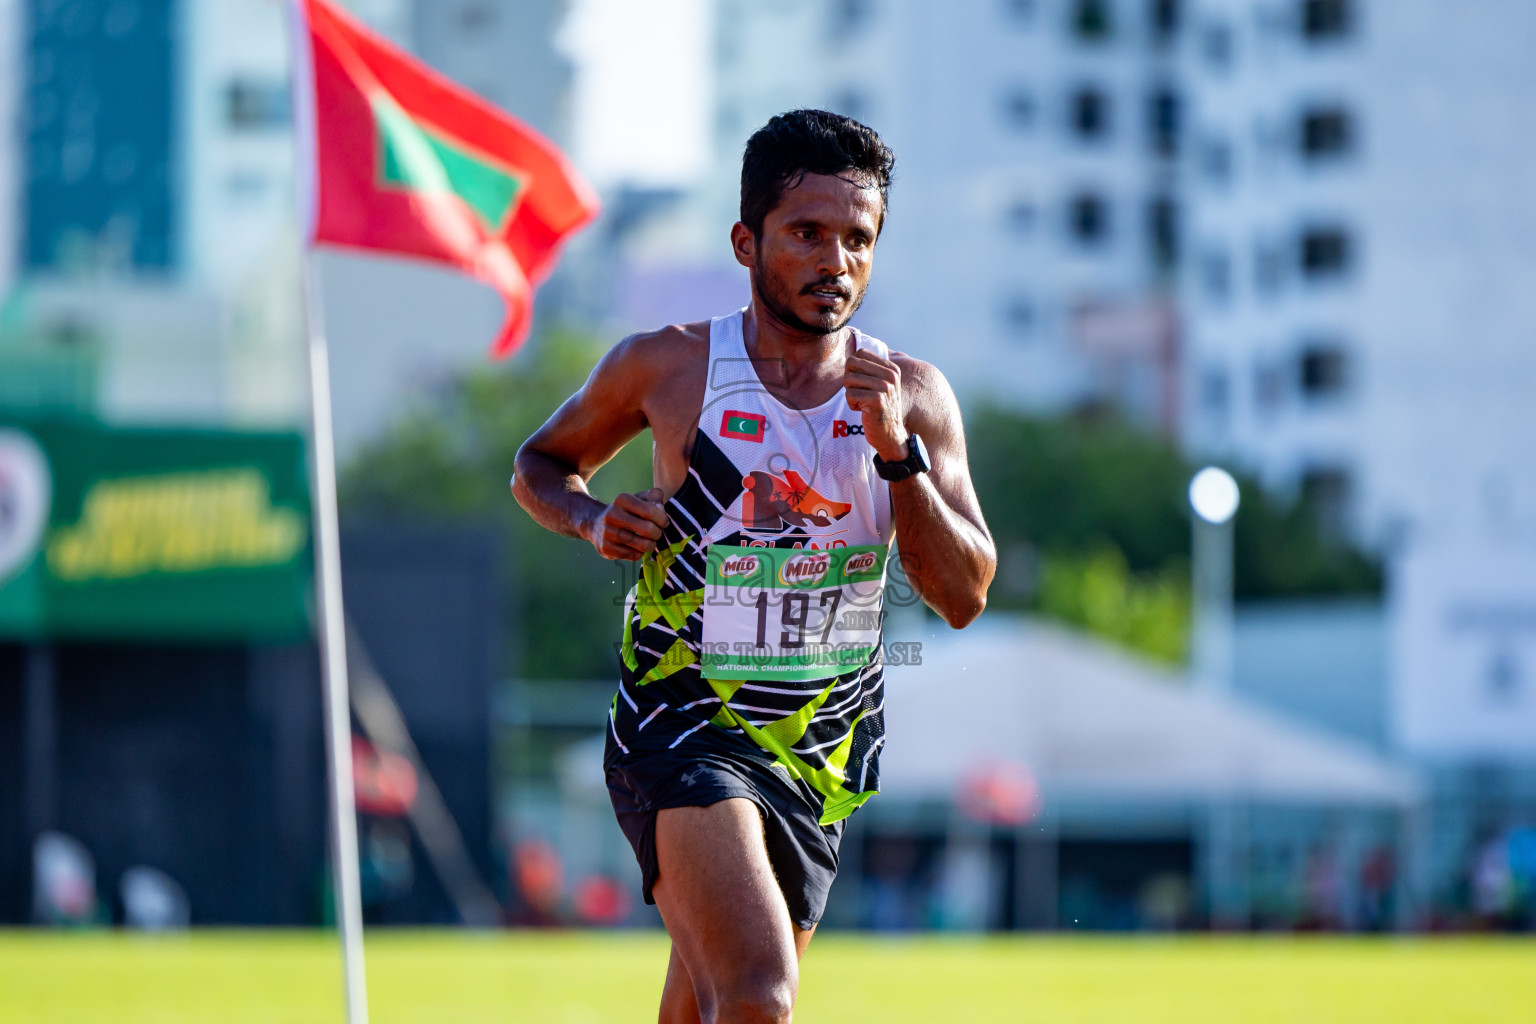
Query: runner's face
point(811, 265)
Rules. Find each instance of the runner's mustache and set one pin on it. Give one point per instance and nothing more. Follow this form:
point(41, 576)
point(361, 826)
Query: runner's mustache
point(828, 282)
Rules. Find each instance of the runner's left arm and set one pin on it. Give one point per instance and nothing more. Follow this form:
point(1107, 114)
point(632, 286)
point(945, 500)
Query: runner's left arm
point(946, 549)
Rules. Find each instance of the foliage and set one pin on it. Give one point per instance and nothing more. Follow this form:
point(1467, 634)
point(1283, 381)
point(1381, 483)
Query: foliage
point(1148, 612)
point(1093, 526)
point(452, 459)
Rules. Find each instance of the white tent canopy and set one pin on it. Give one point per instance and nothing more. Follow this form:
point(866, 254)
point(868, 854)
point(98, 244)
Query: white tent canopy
point(1090, 722)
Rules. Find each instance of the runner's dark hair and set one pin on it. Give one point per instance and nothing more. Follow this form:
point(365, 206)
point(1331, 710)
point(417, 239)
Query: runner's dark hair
point(801, 142)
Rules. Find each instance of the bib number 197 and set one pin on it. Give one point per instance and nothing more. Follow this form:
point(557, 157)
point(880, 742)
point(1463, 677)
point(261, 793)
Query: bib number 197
point(774, 613)
point(795, 613)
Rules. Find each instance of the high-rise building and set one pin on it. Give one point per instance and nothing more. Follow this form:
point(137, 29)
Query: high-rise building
point(1032, 228)
point(1359, 234)
point(503, 52)
point(156, 236)
point(1033, 222)
point(154, 189)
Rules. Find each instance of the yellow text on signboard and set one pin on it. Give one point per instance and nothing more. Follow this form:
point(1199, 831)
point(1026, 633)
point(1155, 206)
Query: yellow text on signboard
point(185, 522)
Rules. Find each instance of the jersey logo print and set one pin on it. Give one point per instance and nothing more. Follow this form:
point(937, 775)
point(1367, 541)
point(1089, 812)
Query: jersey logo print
point(744, 426)
point(775, 503)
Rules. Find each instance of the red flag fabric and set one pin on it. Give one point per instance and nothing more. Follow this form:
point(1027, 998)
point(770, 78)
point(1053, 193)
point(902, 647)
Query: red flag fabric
point(397, 158)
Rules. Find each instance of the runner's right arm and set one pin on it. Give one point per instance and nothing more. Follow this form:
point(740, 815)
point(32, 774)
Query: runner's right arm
point(552, 468)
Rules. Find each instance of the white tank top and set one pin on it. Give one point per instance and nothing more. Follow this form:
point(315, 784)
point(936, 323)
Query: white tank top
point(808, 475)
point(754, 628)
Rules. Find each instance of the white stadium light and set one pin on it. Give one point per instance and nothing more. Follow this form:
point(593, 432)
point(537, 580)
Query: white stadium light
point(1213, 495)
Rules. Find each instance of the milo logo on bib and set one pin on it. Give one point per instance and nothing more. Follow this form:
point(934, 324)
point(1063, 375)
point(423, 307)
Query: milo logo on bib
point(805, 570)
point(861, 564)
point(744, 565)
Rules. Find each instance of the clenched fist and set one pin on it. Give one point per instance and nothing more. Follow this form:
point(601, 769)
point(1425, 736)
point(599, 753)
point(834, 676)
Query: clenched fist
point(874, 390)
point(629, 526)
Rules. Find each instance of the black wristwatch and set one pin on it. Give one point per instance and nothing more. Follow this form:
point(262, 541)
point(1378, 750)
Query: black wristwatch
point(916, 462)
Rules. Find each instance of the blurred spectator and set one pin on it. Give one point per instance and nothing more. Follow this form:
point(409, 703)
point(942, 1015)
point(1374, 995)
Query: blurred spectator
point(1000, 793)
point(1493, 884)
point(1164, 902)
point(1325, 891)
point(153, 901)
point(64, 876)
point(1378, 878)
point(602, 900)
point(538, 877)
point(388, 868)
point(1504, 880)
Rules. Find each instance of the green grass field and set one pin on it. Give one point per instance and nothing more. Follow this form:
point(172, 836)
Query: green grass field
point(466, 978)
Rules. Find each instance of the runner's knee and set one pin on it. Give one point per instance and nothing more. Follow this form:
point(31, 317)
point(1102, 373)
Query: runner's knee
point(757, 998)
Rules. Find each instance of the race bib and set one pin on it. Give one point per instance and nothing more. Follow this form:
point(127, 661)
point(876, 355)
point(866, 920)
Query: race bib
point(795, 615)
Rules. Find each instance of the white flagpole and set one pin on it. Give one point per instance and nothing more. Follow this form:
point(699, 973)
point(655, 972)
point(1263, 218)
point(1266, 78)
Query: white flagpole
point(333, 654)
point(333, 642)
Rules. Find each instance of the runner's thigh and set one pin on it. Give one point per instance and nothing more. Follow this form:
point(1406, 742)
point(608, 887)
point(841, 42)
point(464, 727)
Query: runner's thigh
point(722, 905)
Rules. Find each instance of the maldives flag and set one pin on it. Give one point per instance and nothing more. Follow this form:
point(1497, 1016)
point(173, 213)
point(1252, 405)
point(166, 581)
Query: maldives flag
point(396, 158)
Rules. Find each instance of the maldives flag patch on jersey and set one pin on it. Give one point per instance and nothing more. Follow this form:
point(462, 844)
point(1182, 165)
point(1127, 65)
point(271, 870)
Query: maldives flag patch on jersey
point(743, 426)
point(397, 158)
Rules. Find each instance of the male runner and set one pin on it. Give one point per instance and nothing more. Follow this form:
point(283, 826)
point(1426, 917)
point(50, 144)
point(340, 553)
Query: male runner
point(788, 448)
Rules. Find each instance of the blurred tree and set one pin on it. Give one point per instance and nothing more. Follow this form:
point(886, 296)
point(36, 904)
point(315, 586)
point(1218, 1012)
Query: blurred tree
point(1147, 612)
point(452, 459)
point(1092, 525)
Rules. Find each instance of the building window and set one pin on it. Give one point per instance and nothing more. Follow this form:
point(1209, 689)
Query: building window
point(1326, 493)
point(1325, 132)
point(1163, 232)
point(1268, 268)
point(851, 16)
point(1214, 392)
point(1268, 387)
point(1325, 19)
point(1216, 45)
point(1092, 20)
point(1163, 16)
point(1088, 219)
point(476, 17)
point(1325, 252)
point(1163, 122)
point(1216, 275)
point(1322, 372)
point(1019, 109)
point(1090, 113)
point(250, 104)
point(1018, 317)
point(1021, 218)
point(1021, 12)
point(246, 187)
point(1216, 161)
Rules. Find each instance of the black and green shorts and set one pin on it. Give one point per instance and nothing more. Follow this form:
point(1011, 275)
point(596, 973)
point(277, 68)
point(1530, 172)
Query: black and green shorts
point(803, 852)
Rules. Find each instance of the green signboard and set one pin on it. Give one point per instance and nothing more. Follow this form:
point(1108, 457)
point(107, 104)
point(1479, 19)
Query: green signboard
point(152, 534)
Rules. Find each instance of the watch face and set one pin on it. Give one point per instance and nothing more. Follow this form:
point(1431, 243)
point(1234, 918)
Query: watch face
point(921, 451)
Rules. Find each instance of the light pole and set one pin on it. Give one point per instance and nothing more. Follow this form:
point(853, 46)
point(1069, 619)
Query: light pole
point(1213, 496)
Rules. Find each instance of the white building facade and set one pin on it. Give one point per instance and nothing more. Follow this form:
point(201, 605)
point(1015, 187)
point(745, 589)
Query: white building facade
point(1033, 222)
point(1360, 228)
point(1360, 326)
point(1033, 219)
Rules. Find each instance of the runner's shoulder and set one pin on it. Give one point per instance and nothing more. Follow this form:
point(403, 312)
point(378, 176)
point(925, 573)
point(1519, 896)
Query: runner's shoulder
point(642, 363)
point(664, 350)
point(920, 377)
